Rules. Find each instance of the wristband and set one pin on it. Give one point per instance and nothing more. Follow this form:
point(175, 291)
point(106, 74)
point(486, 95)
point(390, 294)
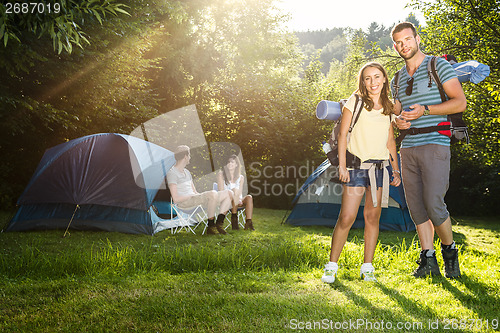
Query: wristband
point(426, 111)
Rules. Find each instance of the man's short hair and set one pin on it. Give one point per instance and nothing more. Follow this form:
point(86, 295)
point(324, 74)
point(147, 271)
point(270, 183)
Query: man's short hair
point(401, 26)
point(181, 152)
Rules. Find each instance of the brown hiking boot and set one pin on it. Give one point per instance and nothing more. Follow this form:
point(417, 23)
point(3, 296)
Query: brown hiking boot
point(234, 221)
point(211, 230)
point(219, 224)
point(249, 225)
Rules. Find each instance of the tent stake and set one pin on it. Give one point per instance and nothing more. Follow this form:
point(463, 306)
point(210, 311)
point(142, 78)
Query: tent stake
point(66, 232)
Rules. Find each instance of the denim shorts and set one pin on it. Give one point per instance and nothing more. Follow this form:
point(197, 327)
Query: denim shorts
point(359, 177)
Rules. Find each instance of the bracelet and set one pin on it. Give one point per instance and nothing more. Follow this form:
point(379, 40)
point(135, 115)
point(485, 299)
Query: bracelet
point(396, 171)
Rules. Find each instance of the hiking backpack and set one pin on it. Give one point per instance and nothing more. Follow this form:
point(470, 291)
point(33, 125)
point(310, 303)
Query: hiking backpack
point(455, 127)
point(352, 161)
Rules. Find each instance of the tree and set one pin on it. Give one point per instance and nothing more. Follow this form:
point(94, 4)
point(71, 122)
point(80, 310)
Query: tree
point(48, 98)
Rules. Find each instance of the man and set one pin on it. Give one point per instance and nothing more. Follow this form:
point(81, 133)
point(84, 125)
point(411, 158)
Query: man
point(185, 196)
point(425, 157)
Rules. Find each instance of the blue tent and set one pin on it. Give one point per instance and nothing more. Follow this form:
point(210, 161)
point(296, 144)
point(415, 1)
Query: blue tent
point(97, 182)
point(318, 203)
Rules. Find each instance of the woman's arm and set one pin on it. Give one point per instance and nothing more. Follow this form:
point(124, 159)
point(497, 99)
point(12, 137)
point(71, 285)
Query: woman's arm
point(391, 145)
point(238, 191)
point(220, 181)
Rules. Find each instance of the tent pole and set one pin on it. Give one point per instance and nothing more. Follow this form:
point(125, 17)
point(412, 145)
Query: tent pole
point(66, 232)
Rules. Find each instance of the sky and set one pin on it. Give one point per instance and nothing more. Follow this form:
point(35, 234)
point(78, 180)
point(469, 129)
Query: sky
point(327, 14)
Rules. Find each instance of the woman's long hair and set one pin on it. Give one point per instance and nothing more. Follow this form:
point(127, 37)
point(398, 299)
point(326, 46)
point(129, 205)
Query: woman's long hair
point(384, 94)
point(237, 171)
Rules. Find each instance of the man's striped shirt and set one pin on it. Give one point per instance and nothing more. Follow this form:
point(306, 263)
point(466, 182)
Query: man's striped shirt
point(424, 95)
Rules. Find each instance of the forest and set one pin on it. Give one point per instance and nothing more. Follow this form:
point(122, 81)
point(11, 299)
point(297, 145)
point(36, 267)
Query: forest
point(109, 66)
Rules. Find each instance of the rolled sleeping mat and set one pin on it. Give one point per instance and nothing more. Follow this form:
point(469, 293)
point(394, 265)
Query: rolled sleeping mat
point(328, 110)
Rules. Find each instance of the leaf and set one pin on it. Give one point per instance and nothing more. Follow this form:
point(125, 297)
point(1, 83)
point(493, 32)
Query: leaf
point(96, 14)
point(122, 11)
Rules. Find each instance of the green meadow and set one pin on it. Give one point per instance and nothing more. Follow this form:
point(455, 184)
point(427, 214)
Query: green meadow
point(267, 280)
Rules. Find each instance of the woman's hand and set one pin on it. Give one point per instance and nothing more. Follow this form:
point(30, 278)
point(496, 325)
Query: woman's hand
point(396, 178)
point(343, 174)
point(401, 122)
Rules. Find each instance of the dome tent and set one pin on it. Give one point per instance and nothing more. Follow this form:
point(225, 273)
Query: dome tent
point(319, 200)
point(103, 181)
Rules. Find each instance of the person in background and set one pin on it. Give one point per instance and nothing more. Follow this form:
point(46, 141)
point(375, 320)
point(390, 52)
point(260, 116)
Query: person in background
point(372, 141)
point(185, 196)
point(230, 178)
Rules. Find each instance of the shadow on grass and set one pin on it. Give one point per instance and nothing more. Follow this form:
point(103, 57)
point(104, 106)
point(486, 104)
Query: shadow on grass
point(423, 313)
point(479, 299)
point(408, 305)
point(416, 315)
point(357, 299)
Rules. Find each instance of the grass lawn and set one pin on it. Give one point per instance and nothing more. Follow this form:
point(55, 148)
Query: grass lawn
point(262, 281)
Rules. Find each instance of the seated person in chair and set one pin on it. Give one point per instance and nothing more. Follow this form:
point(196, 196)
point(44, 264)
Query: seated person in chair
point(185, 196)
point(230, 178)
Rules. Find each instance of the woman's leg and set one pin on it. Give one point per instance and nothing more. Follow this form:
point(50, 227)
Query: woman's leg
point(351, 198)
point(248, 203)
point(372, 218)
point(234, 204)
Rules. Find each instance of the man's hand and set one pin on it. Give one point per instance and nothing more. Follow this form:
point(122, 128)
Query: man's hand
point(416, 112)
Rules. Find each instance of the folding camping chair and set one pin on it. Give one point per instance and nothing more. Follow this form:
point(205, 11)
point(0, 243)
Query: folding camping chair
point(189, 218)
point(163, 209)
point(240, 212)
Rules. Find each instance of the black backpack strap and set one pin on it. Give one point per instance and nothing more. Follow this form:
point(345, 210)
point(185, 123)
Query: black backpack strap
point(421, 130)
point(397, 77)
point(434, 76)
point(358, 106)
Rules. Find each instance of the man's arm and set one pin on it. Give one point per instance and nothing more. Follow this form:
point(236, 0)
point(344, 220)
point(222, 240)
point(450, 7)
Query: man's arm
point(455, 104)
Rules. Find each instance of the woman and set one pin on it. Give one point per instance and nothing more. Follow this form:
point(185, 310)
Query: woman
point(230, 178)
point(372, 141)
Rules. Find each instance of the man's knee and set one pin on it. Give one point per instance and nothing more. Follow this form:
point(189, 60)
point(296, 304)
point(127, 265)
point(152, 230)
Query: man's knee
point(437, 212)
point(226, 194)
point(211, 195)
point(438, 218)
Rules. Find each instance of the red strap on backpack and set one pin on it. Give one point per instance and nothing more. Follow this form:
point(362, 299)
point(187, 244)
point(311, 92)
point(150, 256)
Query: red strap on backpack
point(445, 132)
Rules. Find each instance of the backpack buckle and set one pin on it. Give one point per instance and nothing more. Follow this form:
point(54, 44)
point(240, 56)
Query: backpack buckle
point(413, 131)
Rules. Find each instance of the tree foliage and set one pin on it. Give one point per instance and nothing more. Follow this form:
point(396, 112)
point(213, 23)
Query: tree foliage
point(253, 83)
point(62, 21)
point(48, 98)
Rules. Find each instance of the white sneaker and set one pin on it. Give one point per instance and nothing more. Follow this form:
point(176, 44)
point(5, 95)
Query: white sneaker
point(368, 272)
point(368, 276)
point(330, 273)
